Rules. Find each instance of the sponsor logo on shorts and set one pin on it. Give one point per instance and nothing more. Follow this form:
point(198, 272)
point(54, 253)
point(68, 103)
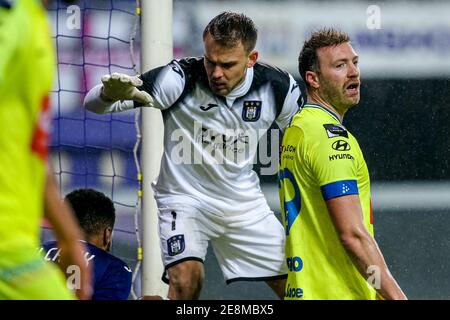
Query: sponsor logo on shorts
point(175, 245)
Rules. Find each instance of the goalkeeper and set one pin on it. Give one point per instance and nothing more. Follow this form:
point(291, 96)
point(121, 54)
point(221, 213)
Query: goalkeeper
point(215, 104)
point(27, 186)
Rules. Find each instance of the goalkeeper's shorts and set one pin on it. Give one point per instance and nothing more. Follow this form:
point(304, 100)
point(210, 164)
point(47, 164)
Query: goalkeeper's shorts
point(33, 280)
point(253, 250)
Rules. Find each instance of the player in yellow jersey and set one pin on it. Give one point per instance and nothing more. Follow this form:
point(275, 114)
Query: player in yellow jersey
point(27, 186)
point(324, 185)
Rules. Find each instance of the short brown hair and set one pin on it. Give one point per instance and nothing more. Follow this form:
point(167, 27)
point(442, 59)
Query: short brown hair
point(308, 59)
point(228, 28)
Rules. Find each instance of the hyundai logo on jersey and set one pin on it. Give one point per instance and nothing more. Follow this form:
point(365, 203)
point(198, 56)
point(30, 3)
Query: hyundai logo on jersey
point(341, 145)
point(175, 245)
point(251, 111)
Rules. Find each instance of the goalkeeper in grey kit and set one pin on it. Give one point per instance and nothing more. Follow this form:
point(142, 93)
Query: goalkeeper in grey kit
point(228, 95)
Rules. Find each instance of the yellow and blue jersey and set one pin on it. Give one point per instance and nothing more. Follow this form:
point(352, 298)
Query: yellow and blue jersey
point(27, 67)
point(320, 160)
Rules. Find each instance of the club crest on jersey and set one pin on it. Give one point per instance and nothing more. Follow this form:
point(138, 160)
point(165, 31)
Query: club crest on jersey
point(335, 130)
point(175, 245)
point(251, 111)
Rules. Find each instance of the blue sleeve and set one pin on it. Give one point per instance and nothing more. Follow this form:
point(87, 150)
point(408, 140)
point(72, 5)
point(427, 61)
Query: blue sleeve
point(115, 284)
point(339, 188)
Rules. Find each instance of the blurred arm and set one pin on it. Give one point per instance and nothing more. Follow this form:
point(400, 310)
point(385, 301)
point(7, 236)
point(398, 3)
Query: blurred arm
point(346, 214)
point(68, 235)
point(11, 37)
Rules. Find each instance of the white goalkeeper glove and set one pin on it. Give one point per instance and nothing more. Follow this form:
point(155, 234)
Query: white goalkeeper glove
point(118, 86)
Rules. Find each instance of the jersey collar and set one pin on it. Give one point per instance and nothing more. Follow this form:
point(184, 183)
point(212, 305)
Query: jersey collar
point(240, 90)
point(318, 106)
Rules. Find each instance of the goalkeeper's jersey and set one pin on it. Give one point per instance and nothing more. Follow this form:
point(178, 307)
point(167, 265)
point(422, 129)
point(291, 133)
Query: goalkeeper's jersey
point(27, 65)
point(211, 141)
point(320, 160)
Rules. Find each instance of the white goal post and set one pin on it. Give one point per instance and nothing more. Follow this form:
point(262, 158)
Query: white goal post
point(156, 50)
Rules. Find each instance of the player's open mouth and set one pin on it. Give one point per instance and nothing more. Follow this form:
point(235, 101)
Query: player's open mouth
point(352, 88)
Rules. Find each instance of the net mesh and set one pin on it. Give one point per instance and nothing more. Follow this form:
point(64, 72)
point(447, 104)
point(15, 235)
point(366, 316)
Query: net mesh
point(92, 39)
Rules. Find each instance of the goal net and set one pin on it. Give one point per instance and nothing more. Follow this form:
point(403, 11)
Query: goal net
point(95, 38)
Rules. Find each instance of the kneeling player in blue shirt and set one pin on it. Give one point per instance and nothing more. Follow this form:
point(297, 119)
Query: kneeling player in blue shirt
point(96, 215)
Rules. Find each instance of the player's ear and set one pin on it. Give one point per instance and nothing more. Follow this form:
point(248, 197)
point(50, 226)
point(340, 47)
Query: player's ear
point(313, 79)
point(252, 58)
point(107, 237)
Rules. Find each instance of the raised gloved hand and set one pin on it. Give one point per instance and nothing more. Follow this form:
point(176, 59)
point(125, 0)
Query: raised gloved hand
point(118, 86)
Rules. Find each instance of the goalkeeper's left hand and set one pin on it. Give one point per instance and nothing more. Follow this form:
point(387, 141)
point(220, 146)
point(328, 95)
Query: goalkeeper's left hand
point(118, 86)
